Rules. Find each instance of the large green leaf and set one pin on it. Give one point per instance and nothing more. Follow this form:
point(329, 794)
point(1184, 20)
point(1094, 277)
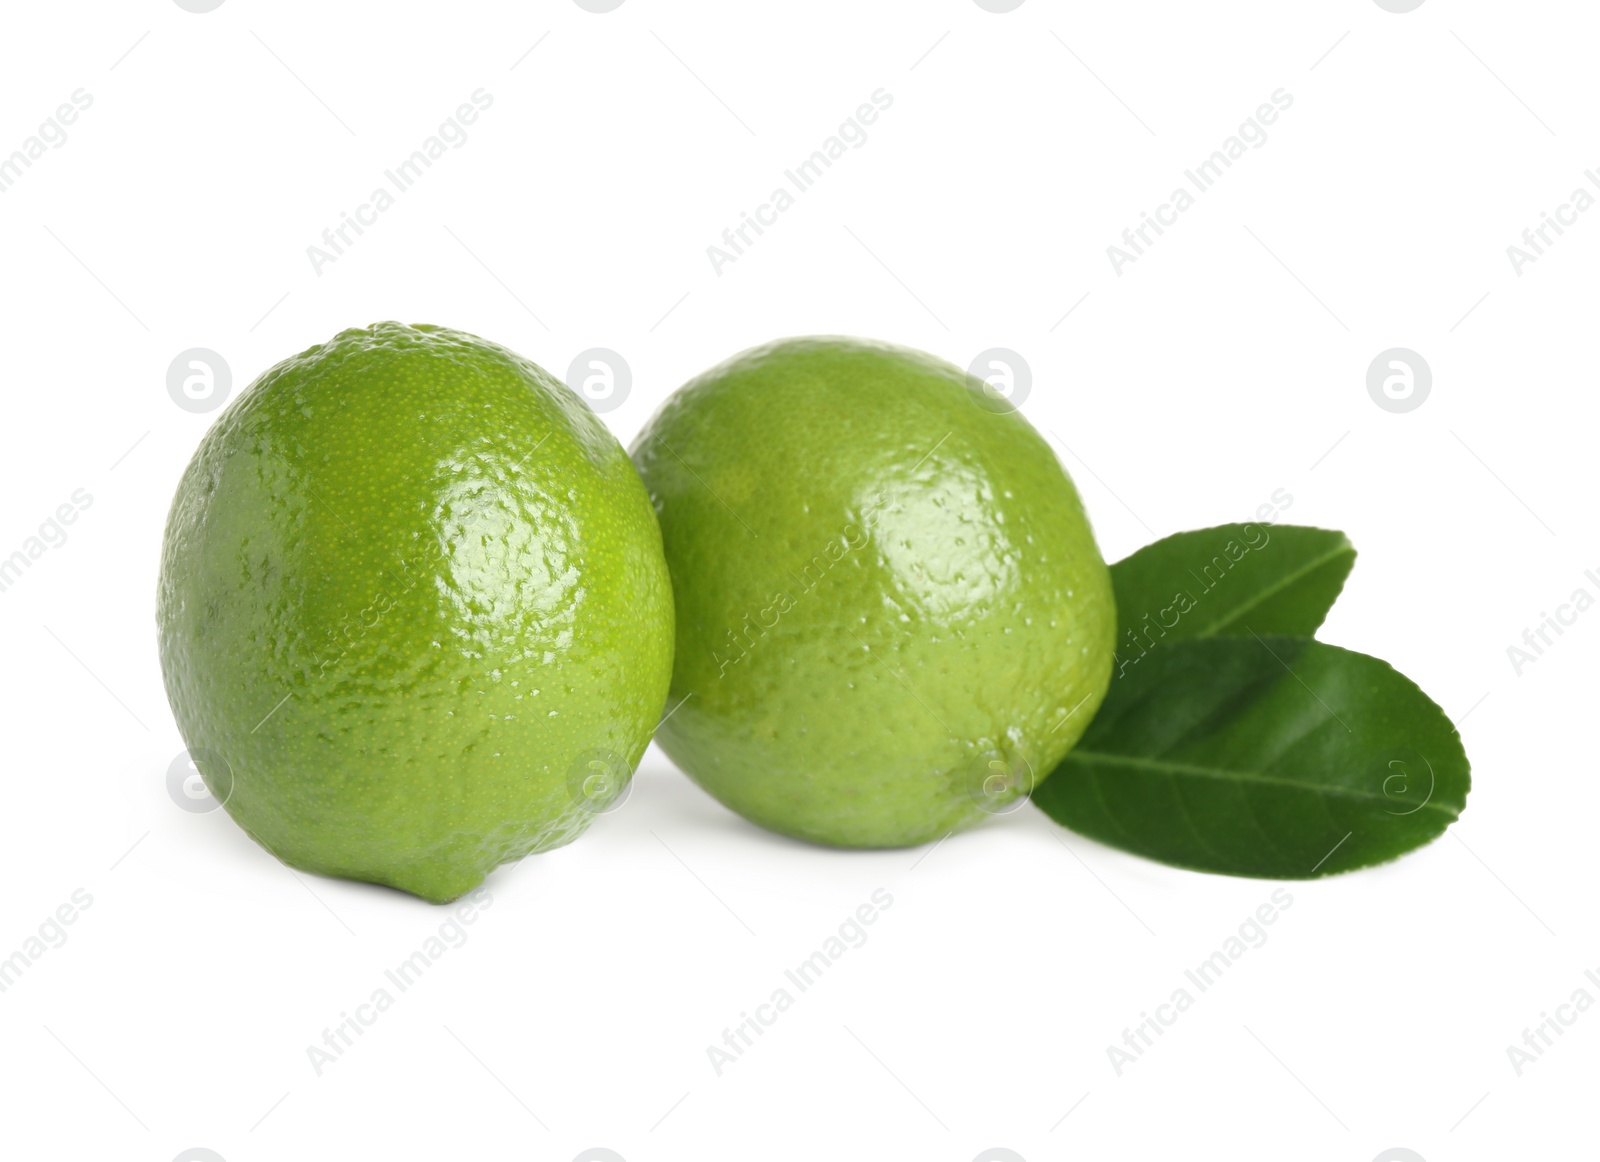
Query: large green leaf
point(1279, 757)
point(1228, 581)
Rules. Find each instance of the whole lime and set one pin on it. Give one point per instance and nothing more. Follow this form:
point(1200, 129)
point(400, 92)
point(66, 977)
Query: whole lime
point(414, 616)
point(891, 613)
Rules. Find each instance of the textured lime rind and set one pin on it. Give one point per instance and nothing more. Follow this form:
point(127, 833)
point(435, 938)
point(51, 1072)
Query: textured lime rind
point(886, 587)
point(412, 595)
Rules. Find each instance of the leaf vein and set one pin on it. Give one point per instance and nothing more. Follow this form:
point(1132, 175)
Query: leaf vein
point(1288, 579)
point(1171, 768)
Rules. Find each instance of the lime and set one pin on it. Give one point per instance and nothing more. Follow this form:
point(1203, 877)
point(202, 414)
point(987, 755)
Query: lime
point(414, 616)
point(892, 617)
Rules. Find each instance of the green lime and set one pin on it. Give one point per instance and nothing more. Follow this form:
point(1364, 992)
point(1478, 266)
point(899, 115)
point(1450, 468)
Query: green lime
point(891, 613)
point(414, 616)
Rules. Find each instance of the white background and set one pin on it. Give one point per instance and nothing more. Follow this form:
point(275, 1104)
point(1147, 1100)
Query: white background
point(1228, 362)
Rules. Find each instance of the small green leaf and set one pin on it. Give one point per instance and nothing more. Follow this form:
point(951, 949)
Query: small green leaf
point(1226, 582)
point(1278, 757)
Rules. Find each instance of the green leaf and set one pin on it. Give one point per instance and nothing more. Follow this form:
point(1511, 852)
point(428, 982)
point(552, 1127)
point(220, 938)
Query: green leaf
point(1228, 581)
point(1278, 757)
